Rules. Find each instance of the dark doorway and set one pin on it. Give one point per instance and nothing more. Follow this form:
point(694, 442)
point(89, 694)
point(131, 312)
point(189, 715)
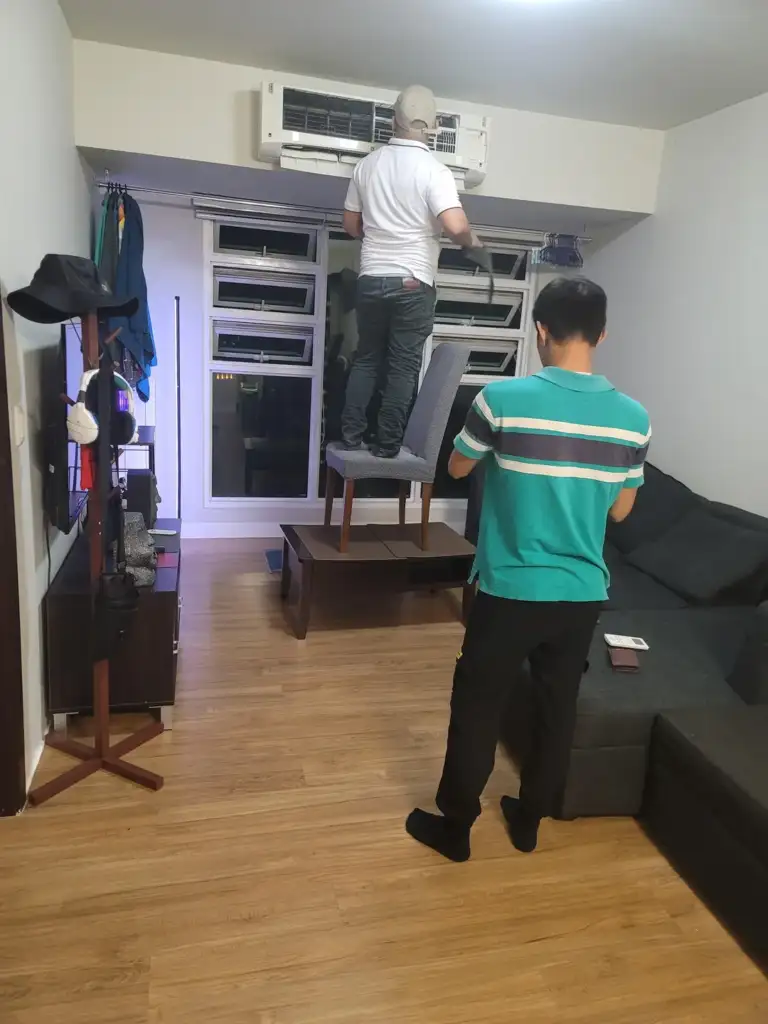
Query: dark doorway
point(12, 771)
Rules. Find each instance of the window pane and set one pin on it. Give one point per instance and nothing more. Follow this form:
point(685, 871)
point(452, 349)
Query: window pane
point(446, 486)
point(252, 342)
point(493, 362)
point(263, 290)
point(505, 264)
point(260, 435)
point(266, 241)
point(476, 312)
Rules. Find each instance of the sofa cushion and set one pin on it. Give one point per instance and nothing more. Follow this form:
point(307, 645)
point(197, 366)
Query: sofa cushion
point(660, 503)
point(691, 654)
point(738, 516)
point(702, 556)
point(724, 754)
point(749, 676)
point(631, 588)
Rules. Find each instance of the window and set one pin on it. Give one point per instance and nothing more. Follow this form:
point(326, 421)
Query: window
point(511, 263)
point(243, 288)
point(266, 240)
point(486, 358)
point(260, 435)
point(468, 306)
point(247, 341)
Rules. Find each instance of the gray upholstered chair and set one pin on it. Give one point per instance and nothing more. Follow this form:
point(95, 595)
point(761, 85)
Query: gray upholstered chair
point(417, 460)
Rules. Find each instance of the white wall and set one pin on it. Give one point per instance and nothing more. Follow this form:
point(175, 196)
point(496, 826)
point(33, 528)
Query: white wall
point(183, 107)
point(44, 207)
point(687, 307)
point(173, 265)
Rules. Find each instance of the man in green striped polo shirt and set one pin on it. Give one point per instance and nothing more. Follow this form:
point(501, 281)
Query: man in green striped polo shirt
point(563, 450)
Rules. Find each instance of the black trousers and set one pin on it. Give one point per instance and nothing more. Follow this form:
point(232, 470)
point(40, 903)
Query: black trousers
point(395, 316)
point(555, 638)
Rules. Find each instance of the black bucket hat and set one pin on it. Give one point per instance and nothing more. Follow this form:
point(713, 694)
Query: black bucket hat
point(65, 287)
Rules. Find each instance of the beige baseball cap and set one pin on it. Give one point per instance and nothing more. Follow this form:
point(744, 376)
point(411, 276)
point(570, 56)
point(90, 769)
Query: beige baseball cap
point(415, 109)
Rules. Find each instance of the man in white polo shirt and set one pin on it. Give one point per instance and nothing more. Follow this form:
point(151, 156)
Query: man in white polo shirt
point(401, 198)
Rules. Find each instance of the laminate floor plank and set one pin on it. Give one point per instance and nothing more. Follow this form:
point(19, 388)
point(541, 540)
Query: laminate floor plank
point(271, 881)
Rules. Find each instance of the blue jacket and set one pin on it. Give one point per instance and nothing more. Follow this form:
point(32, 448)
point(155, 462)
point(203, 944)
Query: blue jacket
point(136, 334)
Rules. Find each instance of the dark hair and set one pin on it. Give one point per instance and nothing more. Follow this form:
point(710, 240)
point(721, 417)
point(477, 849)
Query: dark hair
point(572, 307)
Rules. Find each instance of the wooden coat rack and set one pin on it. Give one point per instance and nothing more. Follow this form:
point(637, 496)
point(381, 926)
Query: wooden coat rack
point(103, 755)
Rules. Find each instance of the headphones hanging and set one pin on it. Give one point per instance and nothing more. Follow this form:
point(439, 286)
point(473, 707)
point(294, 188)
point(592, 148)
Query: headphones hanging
point(82, 418)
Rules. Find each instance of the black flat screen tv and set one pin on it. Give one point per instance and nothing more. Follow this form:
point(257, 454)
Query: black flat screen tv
point(61, 368)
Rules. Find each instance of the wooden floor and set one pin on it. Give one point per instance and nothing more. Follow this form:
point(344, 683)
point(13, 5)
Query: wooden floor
point(271, 881)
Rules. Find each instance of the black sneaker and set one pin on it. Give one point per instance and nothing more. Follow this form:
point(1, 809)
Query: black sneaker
point(352, 446)
point(385, 453)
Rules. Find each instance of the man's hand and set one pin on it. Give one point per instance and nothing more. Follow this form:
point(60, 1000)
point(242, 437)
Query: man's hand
point(623, 505)
point(459, 465)
point(481, 256)
point(455, 224)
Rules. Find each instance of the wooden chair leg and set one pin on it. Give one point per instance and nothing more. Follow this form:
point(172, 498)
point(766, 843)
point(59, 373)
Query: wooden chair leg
point(426, 501)
point(330, 490)
point(405, 490)
point(349, 497)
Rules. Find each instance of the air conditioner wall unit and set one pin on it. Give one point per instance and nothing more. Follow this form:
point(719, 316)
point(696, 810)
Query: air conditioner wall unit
point(327, 133)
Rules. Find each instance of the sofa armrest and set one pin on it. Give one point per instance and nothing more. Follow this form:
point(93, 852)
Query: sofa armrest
point(749, 677)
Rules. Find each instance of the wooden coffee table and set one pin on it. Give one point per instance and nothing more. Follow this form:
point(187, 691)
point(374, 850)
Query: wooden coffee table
point(383, 558)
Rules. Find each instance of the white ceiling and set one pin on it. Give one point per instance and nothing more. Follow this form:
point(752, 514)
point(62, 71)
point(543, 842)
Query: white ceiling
point(650, 63)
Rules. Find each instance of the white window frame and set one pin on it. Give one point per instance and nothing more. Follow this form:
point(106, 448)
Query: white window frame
point(227, 272)
point(277, 261)
point(314, 370)
point(509, 347)
point(494, 246)
point(309, 509)
point(293, 332)
point(462, 288)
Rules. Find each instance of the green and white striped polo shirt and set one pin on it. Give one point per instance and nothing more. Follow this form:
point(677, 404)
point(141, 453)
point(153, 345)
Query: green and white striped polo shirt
point(560, 448)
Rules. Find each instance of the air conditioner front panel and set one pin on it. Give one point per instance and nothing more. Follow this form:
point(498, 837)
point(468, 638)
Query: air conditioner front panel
point(299, 120)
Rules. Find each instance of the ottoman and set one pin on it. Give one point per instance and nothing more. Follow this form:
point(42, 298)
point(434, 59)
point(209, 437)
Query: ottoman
point(692, 653)
point(706, 807)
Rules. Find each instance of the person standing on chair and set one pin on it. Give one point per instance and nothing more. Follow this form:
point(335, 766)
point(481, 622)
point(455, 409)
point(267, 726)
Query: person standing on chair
point(562, 451)
point(401, 198)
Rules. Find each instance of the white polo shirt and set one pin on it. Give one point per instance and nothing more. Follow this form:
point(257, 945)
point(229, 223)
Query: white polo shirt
point(401, 189)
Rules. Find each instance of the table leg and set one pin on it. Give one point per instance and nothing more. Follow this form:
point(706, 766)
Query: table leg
point(305, 599)
point(285, 577)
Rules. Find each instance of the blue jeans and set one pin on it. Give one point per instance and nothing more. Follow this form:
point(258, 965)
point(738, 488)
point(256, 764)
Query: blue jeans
point(394, 318)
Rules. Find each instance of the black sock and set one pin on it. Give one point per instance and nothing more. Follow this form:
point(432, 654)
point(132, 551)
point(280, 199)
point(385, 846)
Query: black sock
point(440, 834)
point(522, 826)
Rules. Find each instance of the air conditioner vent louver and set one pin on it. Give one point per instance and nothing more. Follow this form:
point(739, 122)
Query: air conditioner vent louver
point(448, 129)
point(337, 117)
point(332, 116)
point(383, 127)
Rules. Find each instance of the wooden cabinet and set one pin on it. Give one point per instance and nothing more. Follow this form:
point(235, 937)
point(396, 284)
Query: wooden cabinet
point(143, 671)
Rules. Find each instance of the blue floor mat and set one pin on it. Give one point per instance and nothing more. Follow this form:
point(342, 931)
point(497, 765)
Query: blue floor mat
point(274, 559)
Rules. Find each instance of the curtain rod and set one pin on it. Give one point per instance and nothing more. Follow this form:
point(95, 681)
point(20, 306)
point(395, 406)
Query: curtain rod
point(157, 191)
point(584, 239)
